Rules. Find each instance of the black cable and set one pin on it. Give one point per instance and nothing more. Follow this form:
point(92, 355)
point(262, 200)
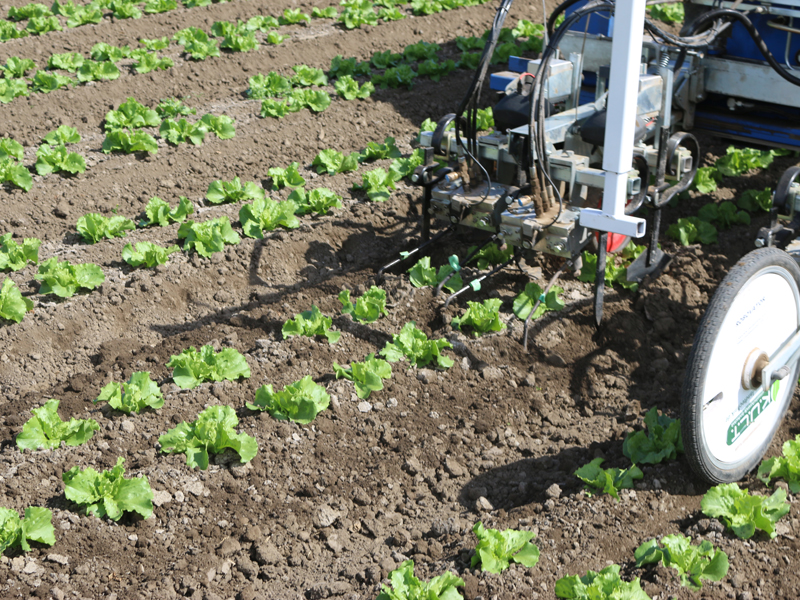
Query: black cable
point(748, 25)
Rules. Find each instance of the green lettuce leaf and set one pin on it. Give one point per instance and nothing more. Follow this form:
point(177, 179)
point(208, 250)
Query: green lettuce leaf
point(138, 393)
point(210, 433)
point(413, 345)
point(46, 430)
point(192, 367)
point(496, 549)
point(208, 237)
point(405, 586)
point(662, 441)
point(527, 298)
point(693, 563)
point(607, 481)
point(743, 513)
point(108, 494)
point(310, 323)
point(266, 214)
point(64, 279)
point(14, 256)
point(482, 317)
point(786, 467)
point(13, 305)
point(300, 401)
point(37, 526)
point(93, 227)
point(147, 254)
point(367, 376)
point(368, 308)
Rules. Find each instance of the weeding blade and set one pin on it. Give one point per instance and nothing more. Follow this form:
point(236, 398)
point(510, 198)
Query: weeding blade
point(600, 278)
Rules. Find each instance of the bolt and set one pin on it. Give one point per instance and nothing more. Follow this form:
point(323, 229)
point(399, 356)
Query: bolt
point(760, 243)
point(415, 177)
point(431, 211)
point(454, 219)
point(526, 245)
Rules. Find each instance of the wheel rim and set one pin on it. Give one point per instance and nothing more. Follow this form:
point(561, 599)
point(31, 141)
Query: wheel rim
point(736, 422)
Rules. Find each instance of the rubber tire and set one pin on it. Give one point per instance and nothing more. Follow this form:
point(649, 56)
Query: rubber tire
point(695, 445)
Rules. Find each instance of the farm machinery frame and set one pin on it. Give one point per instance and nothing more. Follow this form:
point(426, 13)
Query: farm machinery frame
point(598, 128)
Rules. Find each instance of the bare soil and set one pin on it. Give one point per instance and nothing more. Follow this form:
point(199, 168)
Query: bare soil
point(329, 509)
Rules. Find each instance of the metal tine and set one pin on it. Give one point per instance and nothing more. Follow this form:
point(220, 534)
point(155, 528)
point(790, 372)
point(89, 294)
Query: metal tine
point(550, 285)
point(422, 246)
point(471, 285)
point(470, 256)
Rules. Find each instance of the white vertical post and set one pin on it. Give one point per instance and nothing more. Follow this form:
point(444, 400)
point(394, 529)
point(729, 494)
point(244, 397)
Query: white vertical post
point(623, 92)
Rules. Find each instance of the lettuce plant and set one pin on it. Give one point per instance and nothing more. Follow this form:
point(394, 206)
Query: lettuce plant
point(138, 393)
point(300, 401)
point(159, 6)
point(54, 159)
point(128, 143)
point(348, 88)
point(147, 254)
point(64, 134)
point(69, 61)
point(196, 43)
point(131, 115)
point(616, 270)
point(271, 85)
point(9, 31)
point(422, 274)
point(496, 549)
point(724, 215)
point(786, 467)
point(46, 430)
point(358, 14)
point(13, 172)
point(28, 11)
point(390, 14)
point(482, 317)
point(693, 563)
point(706, 179)
point(743, 513)
point(367, 376)
point(240, 41)
point(341, 66)
point(223, 192)
point(108, 493)
point(333, 162)
point(158, 211)
point(152, 62)
point(208, 237)
point(396, 77)
point(192, 367)
point(97, 71)
point(755, 200)
point(37, 526)
point(310, 323)
point(292, 16)
point(288, 177)
point(93, 227)
point(405, 586)
point(527, 298)
point(266, 214)
point(262, 23)
point(177, 132)
point(42, 25)
point(221, 125)
point(211, 433)
point(45, 82)
point(307, 76)
point(102, 51)
point(318, 200)
point(376, 151)
point(377, 184)
point(85, 15)
point(740, 160)
point(692, 229)
point(368, 308)
point(605, 585)
point(10, 148)
point(404, 167)
point(413, 345)
point(607, 481)
point(125, 9)
point(329, 12)
point(12, 88)
point(662, 441)
point(155, 44)
point(64, 279)
point(14, 256)
point(173, 107)
point(13, 305)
